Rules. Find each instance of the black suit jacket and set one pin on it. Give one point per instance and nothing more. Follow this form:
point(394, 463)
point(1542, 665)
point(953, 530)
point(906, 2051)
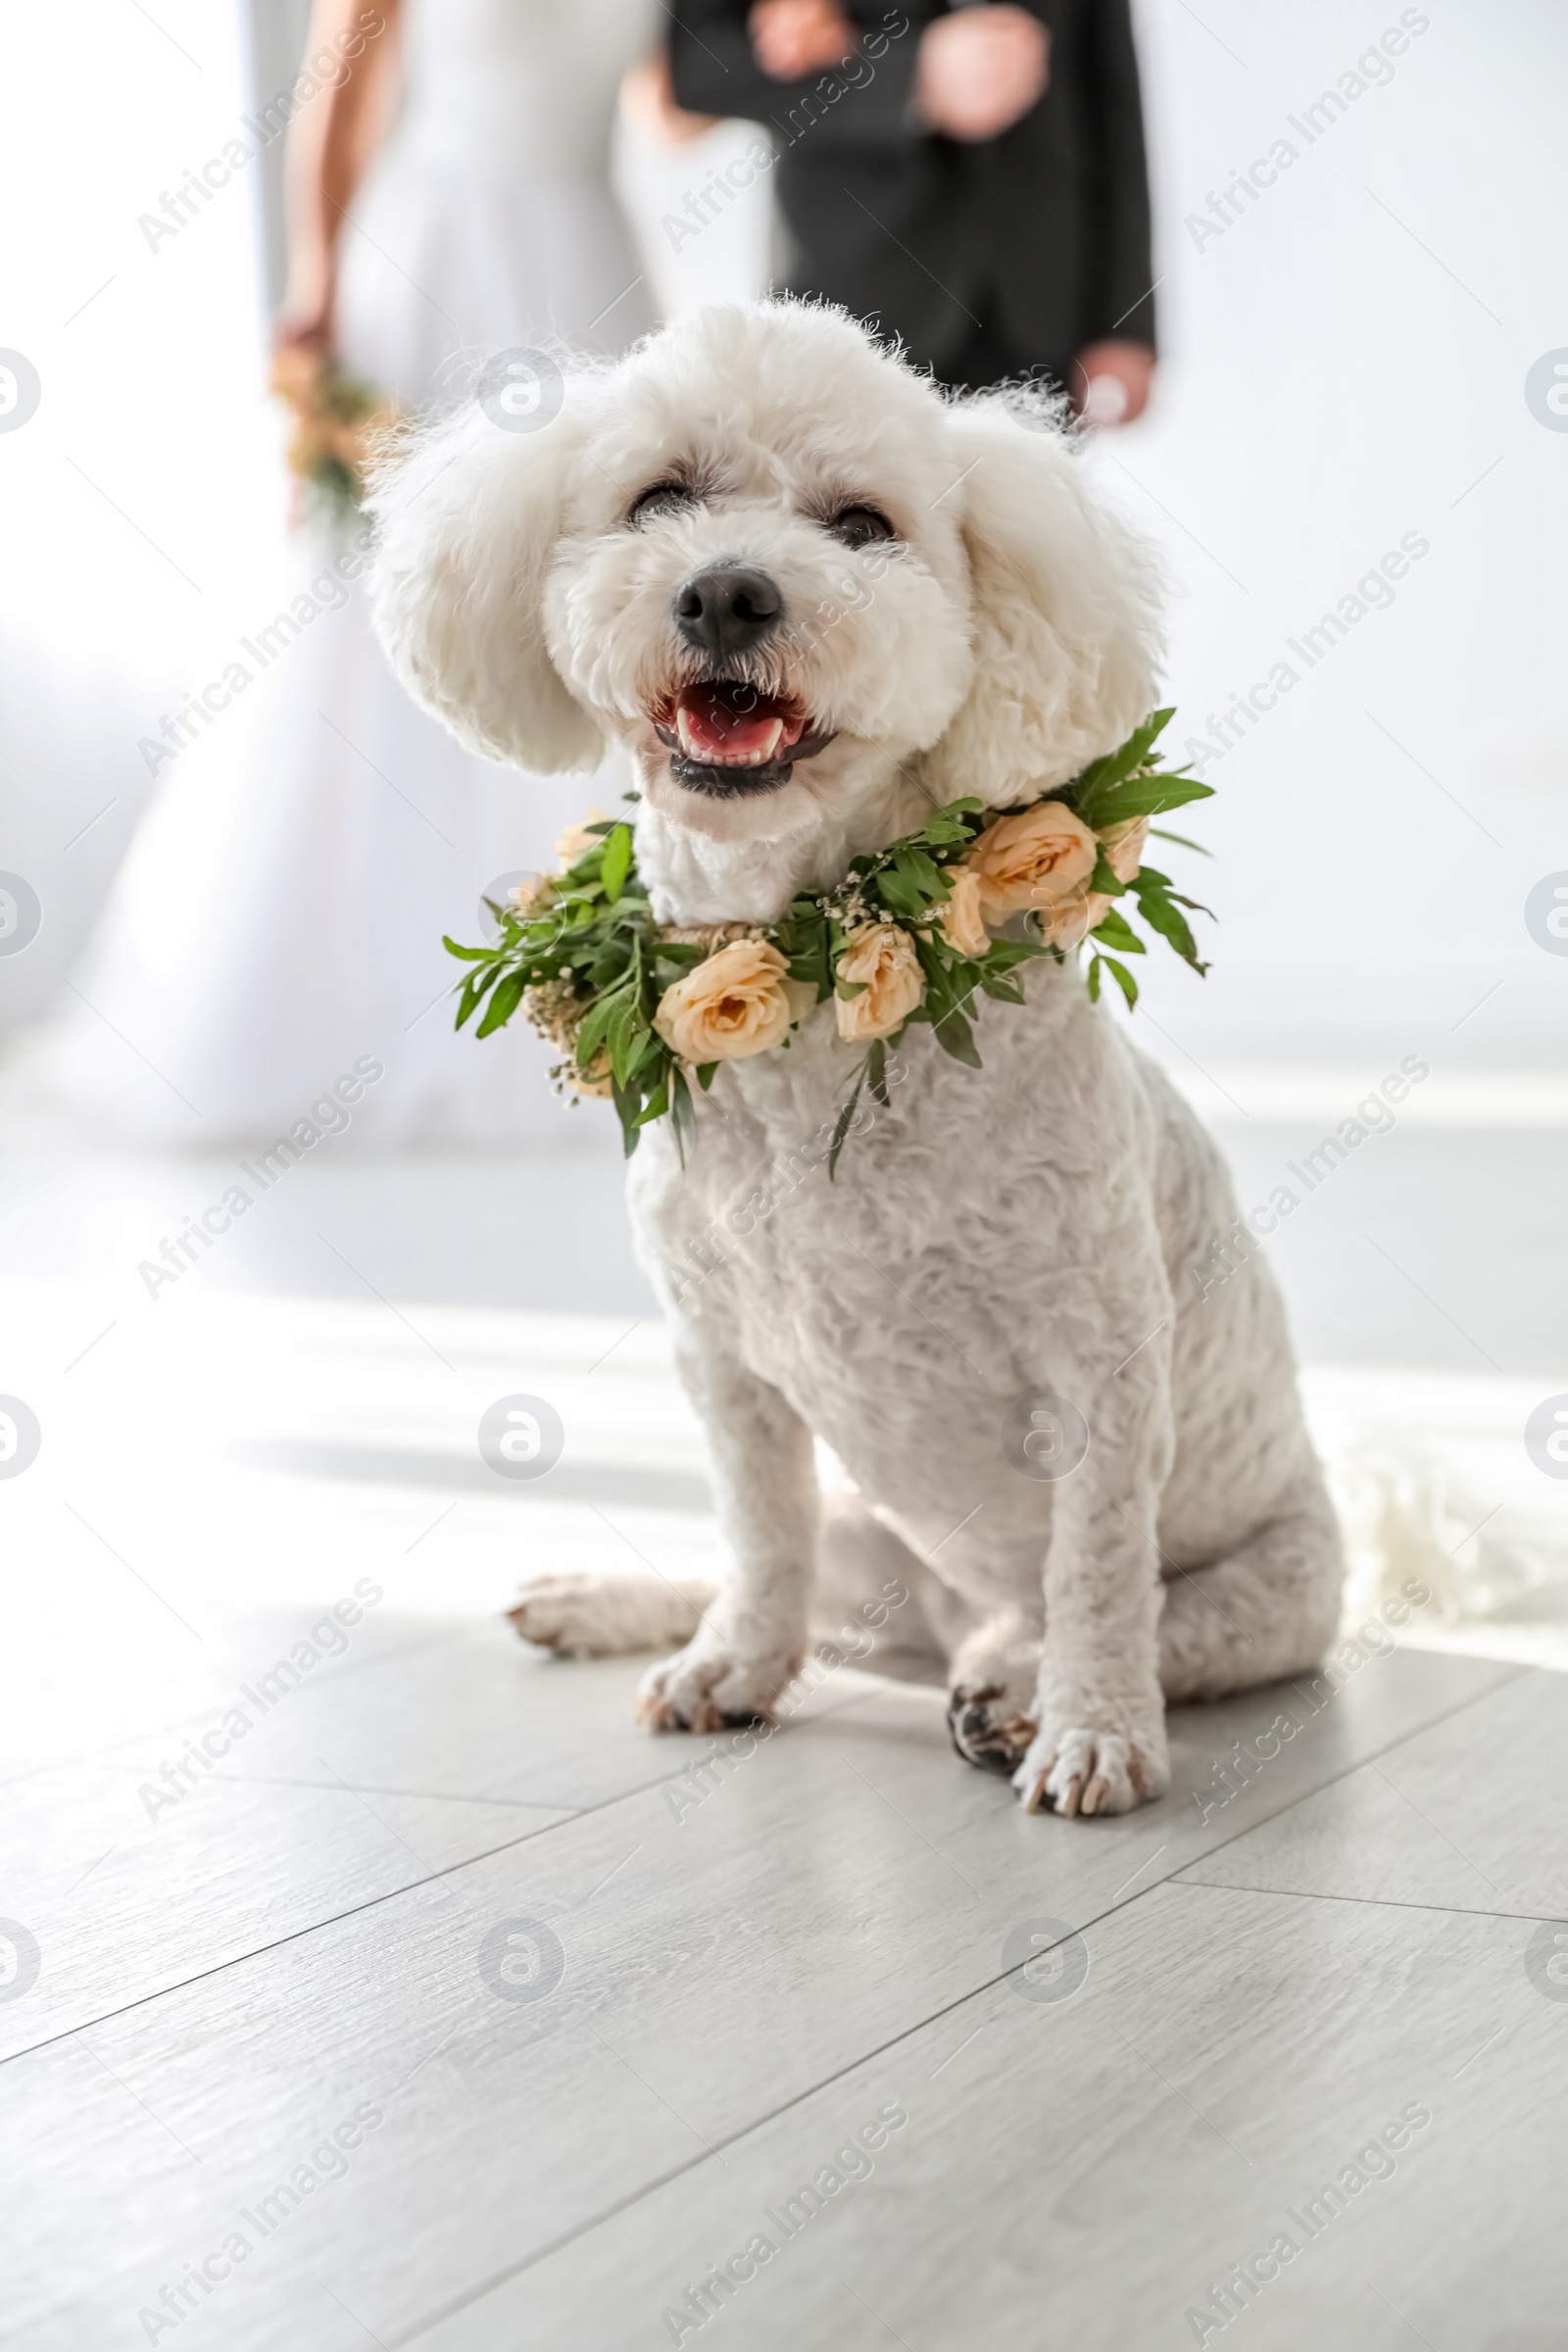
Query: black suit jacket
point(1040, 236)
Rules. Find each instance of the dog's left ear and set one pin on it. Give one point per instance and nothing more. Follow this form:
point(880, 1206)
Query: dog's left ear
point(1065, 629)
point(469, 516)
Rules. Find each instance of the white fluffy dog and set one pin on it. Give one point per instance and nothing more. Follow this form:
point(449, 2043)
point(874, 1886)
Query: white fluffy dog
point(922, 598)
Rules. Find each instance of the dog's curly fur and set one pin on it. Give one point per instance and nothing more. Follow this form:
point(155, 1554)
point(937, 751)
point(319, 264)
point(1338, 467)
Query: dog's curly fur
point(992, 1235)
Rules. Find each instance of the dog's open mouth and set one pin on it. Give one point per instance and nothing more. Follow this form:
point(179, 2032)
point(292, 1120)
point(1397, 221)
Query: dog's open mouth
point(726, 738)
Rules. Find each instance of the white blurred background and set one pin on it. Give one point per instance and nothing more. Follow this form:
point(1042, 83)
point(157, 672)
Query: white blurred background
point(1343, 365)
point(1343, 370)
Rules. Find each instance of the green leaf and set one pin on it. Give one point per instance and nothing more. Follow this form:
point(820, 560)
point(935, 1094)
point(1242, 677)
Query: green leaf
point(876, 1070)
point(681, 954)
point(955, 1037)
point(1093, 979)
point(623, 1038)
point(629, 1114)
point(1123, 979)
point(593, 1026)
point(704, 1074)
point(901, 894)
point(650, 1046)
point(475, 990)
point(1101, 775)
point(503, 1005)
point(1115, 931)
point(925, 874)
point(682, 1115)
point(616, 863)
point(468, 955)
point(1163, 916)
point(1158, 833)
point(1105, 877)
point(1145, 795)
point(841, 1126)
point(1003, 953)
point(1150, 877)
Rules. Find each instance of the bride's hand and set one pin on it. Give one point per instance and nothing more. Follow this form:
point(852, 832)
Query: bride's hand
point(301, 346)
point(309, 334)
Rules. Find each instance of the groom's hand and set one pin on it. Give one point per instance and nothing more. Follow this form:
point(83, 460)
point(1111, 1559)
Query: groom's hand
point(794, 37)
point(980, 69)
point(1110, 382)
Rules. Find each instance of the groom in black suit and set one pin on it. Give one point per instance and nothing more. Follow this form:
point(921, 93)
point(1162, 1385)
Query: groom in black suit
point(970, 179)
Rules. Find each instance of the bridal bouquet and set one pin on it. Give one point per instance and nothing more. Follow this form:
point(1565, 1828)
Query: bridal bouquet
point(911, 935)
point(335, 421)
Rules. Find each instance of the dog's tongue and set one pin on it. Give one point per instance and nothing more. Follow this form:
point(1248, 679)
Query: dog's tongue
point(733, 727)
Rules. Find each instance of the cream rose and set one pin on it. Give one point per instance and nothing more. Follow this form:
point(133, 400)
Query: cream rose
point(1069, 924)
point(1123, 846)
point(883, 958)
point(1036, 858)
point(577, 839)
point(962, 924)
point(739, 1001)
point(527, 894)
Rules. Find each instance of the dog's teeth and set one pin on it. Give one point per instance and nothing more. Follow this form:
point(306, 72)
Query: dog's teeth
point(713, 758)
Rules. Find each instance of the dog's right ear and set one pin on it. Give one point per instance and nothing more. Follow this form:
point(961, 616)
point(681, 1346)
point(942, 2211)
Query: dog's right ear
point(467, 517)
point(1065, 603)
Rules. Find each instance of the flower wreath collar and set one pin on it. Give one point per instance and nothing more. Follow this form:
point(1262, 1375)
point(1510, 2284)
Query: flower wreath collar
point(639, 1008)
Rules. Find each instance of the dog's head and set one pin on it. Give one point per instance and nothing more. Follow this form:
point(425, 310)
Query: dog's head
point(776, 564)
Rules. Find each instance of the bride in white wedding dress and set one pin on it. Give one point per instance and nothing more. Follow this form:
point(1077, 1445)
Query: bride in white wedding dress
point(279, 916)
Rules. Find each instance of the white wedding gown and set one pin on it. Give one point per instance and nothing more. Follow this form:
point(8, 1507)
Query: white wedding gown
point(280, 914)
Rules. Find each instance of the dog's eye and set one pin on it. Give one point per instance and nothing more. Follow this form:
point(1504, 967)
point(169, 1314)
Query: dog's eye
point(660, 498)
point(858, 527)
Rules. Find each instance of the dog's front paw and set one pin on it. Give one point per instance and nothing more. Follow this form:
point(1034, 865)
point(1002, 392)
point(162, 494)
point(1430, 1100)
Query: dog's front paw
point(713, 1681)
point(1082, 1772)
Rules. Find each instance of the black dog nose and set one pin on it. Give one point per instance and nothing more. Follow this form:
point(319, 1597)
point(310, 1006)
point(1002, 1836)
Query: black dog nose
point(727, 610)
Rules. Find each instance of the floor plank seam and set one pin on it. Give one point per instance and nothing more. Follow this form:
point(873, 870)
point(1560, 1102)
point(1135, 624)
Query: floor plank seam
point(1306, 1795)
point(355, 1910)
point(373, 1902)
point(1372, 1903)
point(716, 2148)
point(429, 1796)
point(624, 1796)
point(625, 2204)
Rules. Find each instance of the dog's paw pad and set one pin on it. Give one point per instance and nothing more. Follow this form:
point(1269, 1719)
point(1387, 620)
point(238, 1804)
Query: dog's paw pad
point(987, 1730)
point(1083, 1773)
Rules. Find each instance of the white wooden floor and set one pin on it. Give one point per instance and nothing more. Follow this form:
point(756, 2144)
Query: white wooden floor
point(837, 1931)
point(265, 2079)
